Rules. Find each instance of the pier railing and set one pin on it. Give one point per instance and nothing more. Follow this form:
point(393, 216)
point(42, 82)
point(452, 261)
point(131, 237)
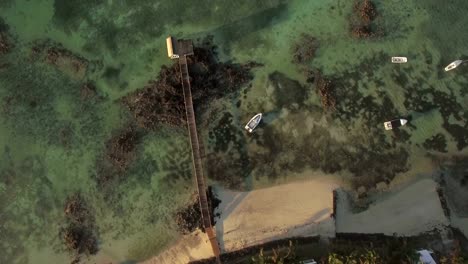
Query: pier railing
point(197, 158)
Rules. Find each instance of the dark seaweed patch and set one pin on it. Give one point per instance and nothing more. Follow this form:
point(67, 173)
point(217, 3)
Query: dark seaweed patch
point(361, 21)
point(5, 43)
point(228, 160)
point(422, 99)
point(188, 218)
point(436, 142)
point(304, 50)
point(370, 156)
point(354, 104)
point(119, 154)
point(318, 150)
point(223, 134)
point(3, 26)
point(161, 102)
point(80, 232)
point(326, 90)
point(460, 133)
point(111, 73)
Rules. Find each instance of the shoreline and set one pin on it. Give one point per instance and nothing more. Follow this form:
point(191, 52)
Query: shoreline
point(313, 206)
point(317, 244)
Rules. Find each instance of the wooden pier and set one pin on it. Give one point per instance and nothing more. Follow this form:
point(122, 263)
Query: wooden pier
point(184, 48)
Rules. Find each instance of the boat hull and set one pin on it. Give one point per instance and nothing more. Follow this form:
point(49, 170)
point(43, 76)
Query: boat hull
point(453, 65)
point(399, 60)
point(253, 123)
point(389, 125)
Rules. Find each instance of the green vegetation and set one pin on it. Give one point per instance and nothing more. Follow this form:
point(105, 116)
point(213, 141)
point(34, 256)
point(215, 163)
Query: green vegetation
point(397, 251)
point(278, 256)
point(368, 257)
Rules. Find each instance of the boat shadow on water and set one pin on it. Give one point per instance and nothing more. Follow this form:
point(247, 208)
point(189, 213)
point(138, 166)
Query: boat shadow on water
point(267, 118)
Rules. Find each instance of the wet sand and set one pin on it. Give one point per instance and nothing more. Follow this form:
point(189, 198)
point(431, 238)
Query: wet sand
point(192, 247)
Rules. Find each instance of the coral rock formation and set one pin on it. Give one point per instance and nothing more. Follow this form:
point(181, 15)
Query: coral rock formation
point(326, 90)
point(361, 21)
point(88, 91)
point(120, 149)
point(305, 48)
point(362, 31)
point(79, 235)
point(161, 101)
point(366, 10)
point(188, 219)
point(64, 60)
point(119, 154)
point(5, 45)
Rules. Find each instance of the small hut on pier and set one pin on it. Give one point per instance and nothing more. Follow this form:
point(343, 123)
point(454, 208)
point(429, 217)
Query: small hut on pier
point(178, 47)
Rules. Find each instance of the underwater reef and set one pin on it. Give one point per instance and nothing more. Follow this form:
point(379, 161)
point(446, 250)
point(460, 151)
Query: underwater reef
point(80, 233)
point(361, 20)
point(161, 101)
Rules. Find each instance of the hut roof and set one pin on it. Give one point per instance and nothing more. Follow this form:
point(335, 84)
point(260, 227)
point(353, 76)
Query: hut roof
point(178, 47)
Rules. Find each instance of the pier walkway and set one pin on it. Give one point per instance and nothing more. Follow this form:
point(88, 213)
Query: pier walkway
point(197, 158)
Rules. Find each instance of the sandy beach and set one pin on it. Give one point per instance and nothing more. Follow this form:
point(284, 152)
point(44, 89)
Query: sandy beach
point(251, 218)
point(192, 247)
point(91, 105)
point(304, 209)
point(295, 209)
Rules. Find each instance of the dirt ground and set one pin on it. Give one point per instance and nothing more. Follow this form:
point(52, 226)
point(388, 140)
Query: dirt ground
point(410, 211)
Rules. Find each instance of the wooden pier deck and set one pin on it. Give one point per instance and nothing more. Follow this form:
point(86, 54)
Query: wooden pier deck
point(197, 158)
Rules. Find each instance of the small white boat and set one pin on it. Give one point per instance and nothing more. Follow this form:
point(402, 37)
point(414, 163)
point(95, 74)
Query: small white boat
point(399, 60)
point(426, 257)
point(253, 122)
point(389, 125)
point(453, 65)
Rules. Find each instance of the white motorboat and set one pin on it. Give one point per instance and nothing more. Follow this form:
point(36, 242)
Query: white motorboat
point(253, 122)
point(426, 257)
point(399, 60)
point(453, 65)
point(389, 125)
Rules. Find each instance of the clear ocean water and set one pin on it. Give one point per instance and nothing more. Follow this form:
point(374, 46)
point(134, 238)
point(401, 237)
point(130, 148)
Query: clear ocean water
point(50, 140)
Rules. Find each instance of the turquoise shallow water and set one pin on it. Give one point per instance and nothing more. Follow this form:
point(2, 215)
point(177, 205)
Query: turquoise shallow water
point(50, 139)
